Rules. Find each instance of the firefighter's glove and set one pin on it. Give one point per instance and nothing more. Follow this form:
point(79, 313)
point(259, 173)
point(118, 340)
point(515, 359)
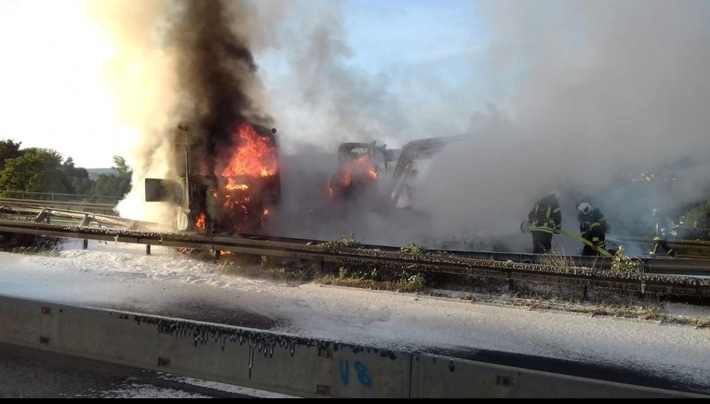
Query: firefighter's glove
point(557, 231)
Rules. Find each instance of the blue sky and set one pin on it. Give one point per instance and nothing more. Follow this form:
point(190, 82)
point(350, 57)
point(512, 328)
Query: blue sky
point(418, 32)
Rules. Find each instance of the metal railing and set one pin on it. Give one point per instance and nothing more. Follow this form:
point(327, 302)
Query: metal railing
point(53, 196)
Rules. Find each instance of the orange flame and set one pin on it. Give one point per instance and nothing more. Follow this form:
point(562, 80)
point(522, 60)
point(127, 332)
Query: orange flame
point(255, 156)
point(237, 187)
point(200, 221)
point(363, 167)
point(373, 174)
point(359, 166)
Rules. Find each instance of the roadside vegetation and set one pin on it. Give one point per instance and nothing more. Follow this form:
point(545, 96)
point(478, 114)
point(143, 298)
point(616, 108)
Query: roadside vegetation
point(347, 241)
point(623, 264)
point(33, 173)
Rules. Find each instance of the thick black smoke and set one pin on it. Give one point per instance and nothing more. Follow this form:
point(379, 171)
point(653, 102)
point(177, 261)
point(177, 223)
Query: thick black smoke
point(199, 69)
point(217, 76)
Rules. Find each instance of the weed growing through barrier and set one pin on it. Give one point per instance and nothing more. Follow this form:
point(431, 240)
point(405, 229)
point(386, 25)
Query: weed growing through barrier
point(348, 274)
point(413, 250)
point(556, 259)
point(620, 263)
point(374, 279)
point(415, 282)
point(347, 241)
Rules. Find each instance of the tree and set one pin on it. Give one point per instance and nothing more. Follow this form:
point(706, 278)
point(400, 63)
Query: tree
point(115, 185)
point(79, 181)
point(119, 164)
point(37, 170)
point(8, 150)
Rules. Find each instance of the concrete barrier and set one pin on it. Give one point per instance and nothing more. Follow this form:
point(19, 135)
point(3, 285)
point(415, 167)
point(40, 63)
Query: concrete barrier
point(439, 376)
point(280, 363)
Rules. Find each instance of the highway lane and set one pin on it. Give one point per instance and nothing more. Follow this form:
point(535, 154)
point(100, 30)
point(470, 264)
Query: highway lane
point(31, 373)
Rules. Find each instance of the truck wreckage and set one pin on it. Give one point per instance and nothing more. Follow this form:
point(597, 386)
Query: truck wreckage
point(364, 166)
point(244, 188)
point(235, 197)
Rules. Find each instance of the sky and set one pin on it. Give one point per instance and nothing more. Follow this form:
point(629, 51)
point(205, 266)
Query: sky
point(570, 95)
point(169, 283)
point(58, 91)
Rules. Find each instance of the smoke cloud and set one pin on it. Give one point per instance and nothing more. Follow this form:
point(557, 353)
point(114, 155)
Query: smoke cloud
point(608, 92)
point(594, 99)
point(191, 64)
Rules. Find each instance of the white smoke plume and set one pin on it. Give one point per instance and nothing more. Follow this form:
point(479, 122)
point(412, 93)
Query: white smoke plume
point(605, 88)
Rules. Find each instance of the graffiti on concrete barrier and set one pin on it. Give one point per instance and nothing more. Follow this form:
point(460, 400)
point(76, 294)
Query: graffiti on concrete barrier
point(360, 370)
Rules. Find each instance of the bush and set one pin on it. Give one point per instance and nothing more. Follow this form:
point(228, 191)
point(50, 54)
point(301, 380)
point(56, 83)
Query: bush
point(416, 282)
point(620, 263)
point(348, 241)
point(413, 250)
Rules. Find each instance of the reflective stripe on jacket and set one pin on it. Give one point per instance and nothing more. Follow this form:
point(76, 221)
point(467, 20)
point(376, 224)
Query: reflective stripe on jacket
point(545, 216)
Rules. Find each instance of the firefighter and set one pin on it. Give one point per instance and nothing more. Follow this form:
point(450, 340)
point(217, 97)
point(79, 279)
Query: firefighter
point(659, 236)
point(592, 227)
point(545, 219)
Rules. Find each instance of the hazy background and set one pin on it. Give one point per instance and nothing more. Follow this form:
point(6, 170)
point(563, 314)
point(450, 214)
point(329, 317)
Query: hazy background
point(592, 98)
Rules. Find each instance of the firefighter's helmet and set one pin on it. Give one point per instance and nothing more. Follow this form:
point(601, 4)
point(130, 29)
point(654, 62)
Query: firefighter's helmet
point(584, 208)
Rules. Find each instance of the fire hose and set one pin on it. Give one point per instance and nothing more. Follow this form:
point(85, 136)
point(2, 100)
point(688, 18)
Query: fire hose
point(526, 228)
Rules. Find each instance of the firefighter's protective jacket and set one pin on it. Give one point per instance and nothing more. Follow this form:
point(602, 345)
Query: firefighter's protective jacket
point(593, 227)
point(664, 228)
point(546, 215)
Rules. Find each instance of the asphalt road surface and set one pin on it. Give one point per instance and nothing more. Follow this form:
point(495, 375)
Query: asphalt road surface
point(31, 373)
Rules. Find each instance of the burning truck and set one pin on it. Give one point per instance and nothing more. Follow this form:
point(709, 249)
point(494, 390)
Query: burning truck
point(366, 170)
point(358, 170)
point(232, 190)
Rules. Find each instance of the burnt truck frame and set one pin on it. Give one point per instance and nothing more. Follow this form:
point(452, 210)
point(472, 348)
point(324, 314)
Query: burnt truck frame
point(396, 169)
point(196, 195)
point(348, 154)
point(408, 157)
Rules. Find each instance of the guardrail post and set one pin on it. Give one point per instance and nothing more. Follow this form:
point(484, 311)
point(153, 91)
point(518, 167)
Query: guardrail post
point(511, 286)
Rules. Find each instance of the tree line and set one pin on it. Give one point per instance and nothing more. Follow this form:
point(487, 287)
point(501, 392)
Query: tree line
point(40, 170)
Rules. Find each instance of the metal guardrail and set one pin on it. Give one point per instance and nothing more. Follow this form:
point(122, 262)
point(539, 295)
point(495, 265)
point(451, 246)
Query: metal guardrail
point(695, 253)
point(105, 208)
point(58, 197)
point(671, 287)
